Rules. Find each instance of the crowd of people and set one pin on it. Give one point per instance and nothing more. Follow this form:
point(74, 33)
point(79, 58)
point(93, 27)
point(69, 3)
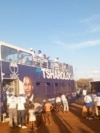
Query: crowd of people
point(24, 110)
point(91, 100)
point(24, 113)
point(42, 60)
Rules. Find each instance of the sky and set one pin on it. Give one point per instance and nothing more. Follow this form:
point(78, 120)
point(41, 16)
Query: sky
point(68, 29)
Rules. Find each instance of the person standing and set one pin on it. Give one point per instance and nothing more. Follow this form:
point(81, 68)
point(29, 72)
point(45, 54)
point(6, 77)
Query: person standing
point(12, 108)
point(5, 99)
point(58, 103)
point(21, 111)
point(28, 86)
point(89, 105)
point(47, 108)
point(65, 103)
point(84, 91)
point(32, 117)
point(94, 96)
point(97, 100)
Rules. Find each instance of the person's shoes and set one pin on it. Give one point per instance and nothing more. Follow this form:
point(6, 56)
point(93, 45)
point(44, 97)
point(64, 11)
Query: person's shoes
point(23, 127)
point(90, 118)
point(35, 128)
point(19, 125)
point(67, 111)
point(11, 126)
point(96, 117)
point(31, 130)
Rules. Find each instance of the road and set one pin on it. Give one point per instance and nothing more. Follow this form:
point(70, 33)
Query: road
point(71, 122)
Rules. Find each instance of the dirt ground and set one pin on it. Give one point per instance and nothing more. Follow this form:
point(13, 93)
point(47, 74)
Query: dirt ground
point(71, 122)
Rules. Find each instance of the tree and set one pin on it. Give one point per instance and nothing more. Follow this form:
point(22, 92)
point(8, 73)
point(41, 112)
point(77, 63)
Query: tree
point(82, 82)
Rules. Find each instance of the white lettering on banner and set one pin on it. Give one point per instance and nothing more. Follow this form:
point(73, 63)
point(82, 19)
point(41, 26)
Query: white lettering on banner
point(55, 74)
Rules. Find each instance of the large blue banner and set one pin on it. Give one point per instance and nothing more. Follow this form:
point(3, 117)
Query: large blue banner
point(47, 82)
point(1, 97)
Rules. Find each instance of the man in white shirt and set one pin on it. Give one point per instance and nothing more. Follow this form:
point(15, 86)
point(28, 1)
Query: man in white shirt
point(84, 91)
point(12, 107)
point(65, 103)
point(89, 105)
